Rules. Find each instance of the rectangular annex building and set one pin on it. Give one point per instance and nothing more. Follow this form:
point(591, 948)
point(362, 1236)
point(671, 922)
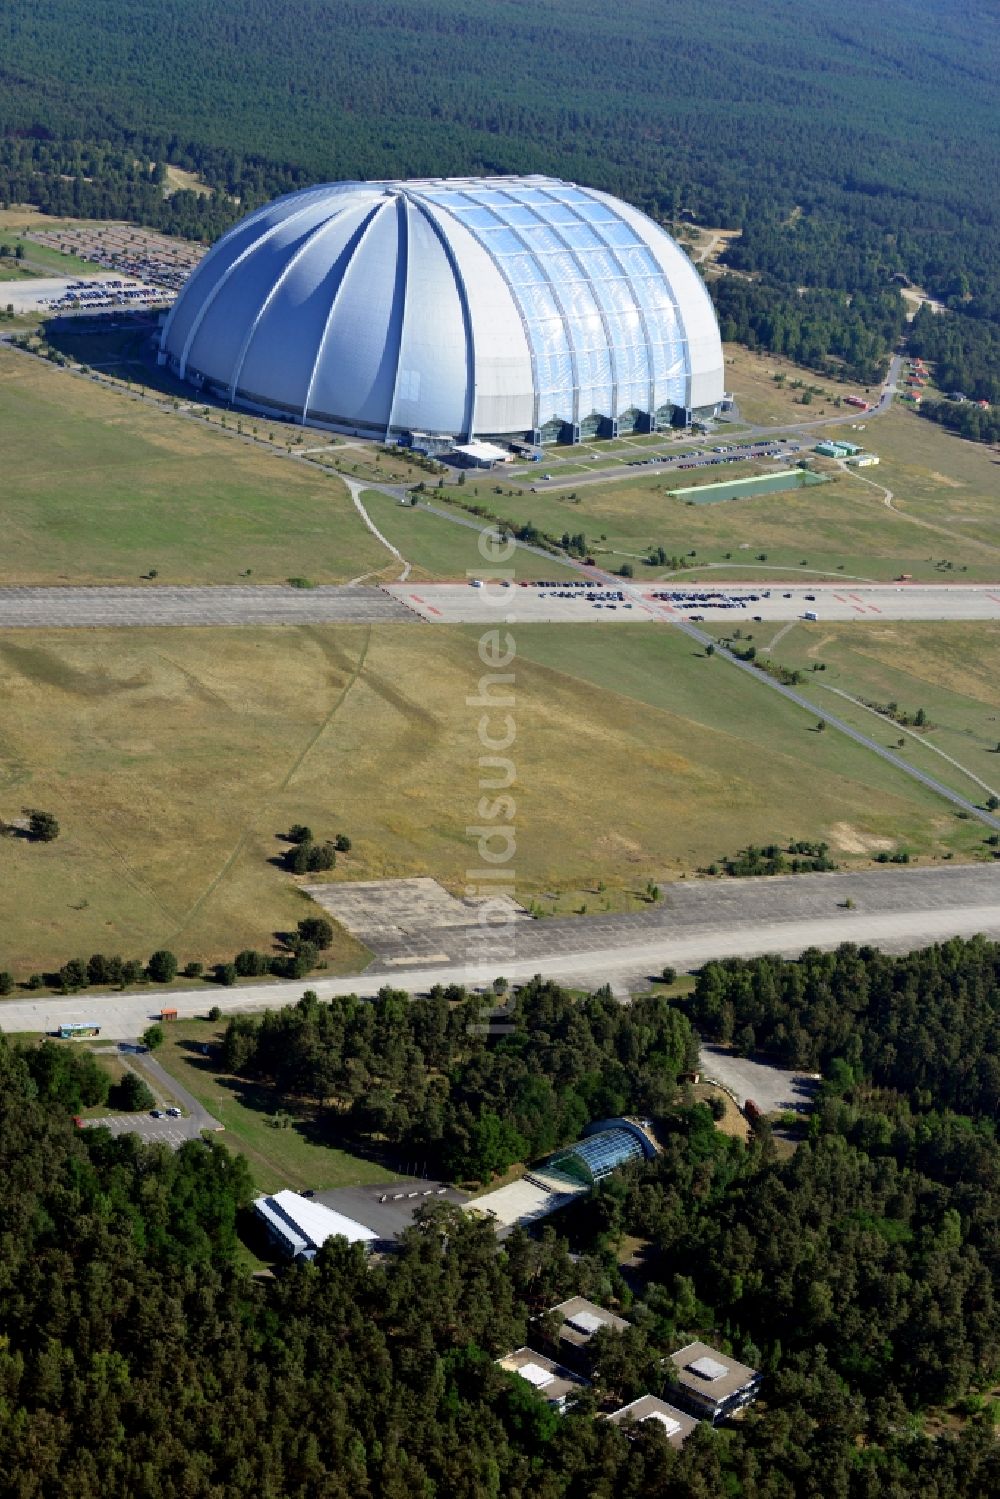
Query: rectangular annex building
point(581, 1319)
point(554, 1383)
point(300, 1226)
point(711, 1384)
point(677, 1425)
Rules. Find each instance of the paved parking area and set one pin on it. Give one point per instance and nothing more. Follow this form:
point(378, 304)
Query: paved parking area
point(35, 608)
point(459, 603)
point(771, 1088)
point(172, 1132)
point(43, 293)
point(687, 909)
point(389, 1208)
point(620, 602)
point(405, 918)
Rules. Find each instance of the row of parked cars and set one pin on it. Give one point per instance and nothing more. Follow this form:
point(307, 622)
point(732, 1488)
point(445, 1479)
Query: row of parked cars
point(600, 598)
point(710, 600)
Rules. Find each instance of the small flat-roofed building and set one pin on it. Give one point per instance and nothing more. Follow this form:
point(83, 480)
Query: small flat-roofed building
point(677, 1425)
point(554, 1383)
point(300, 1226)
point(711, 1384)
point(482, 454)
point(581, 1319)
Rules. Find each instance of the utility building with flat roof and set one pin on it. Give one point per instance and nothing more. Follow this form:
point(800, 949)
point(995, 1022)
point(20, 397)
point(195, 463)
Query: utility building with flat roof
point(711, 1384)
point(677, 1425)
point(553, 1383)
point(581, 1319)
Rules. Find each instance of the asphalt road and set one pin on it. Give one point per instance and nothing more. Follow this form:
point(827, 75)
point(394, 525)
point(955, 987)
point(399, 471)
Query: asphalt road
point(166, 1089)
point(894, 909)
point(93, 608)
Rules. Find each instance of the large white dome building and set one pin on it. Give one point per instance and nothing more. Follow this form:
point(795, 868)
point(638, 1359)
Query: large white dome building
point(493, 306)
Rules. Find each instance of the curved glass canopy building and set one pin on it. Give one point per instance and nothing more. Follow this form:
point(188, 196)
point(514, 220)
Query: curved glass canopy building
point(594, 1157)
point(495, 306)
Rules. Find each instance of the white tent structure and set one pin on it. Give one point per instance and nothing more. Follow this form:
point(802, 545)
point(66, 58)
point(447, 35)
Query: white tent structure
point(300, 1226)
point(487, 306)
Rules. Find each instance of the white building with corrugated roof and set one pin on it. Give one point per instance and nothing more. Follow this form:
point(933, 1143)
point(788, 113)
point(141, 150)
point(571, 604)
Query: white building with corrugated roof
point(299, 1226)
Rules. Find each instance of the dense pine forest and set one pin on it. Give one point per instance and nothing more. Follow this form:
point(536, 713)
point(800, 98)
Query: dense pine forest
point(426, 1081)
point(850, 148)
point(137, 1357)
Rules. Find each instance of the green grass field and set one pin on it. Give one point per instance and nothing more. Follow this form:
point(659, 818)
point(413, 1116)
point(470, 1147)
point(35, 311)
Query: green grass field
point(949, 670)
point(944, 490)
point(438, 548)
point(764, 401)
point(944, 508)
point(99, 489)
point(174, 758)
point(300, 1155)
point(45, 261)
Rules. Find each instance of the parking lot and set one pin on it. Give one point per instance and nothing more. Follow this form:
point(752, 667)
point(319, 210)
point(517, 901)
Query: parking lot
point(459, 603)
point(388, 1209)
point(75, 293)
point(159, 259)
point(773, 1089)
point(172, 1132)
point(610, 460)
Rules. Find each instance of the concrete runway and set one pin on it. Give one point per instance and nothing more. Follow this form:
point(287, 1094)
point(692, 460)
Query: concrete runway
point(459, 603)
point(95, 608)
point(622, 602)
point(896, 909)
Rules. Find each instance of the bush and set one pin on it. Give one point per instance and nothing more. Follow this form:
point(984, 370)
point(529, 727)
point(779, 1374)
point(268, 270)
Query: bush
point(42, 826)
point(297, 859)
point(104, 971)
point(315, 930)
point(342, 843)
point(193, 970)
point(225, 974)
point(251, 964)
point(132, 1094)
point(321, 856)
point(73, 976)
point(6, 982)
point(215, 1014)
point(162, 967)
point(303, 960)
point(669, 974)
point(718, 1108)
point(299, 833)
point(152, 1037)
